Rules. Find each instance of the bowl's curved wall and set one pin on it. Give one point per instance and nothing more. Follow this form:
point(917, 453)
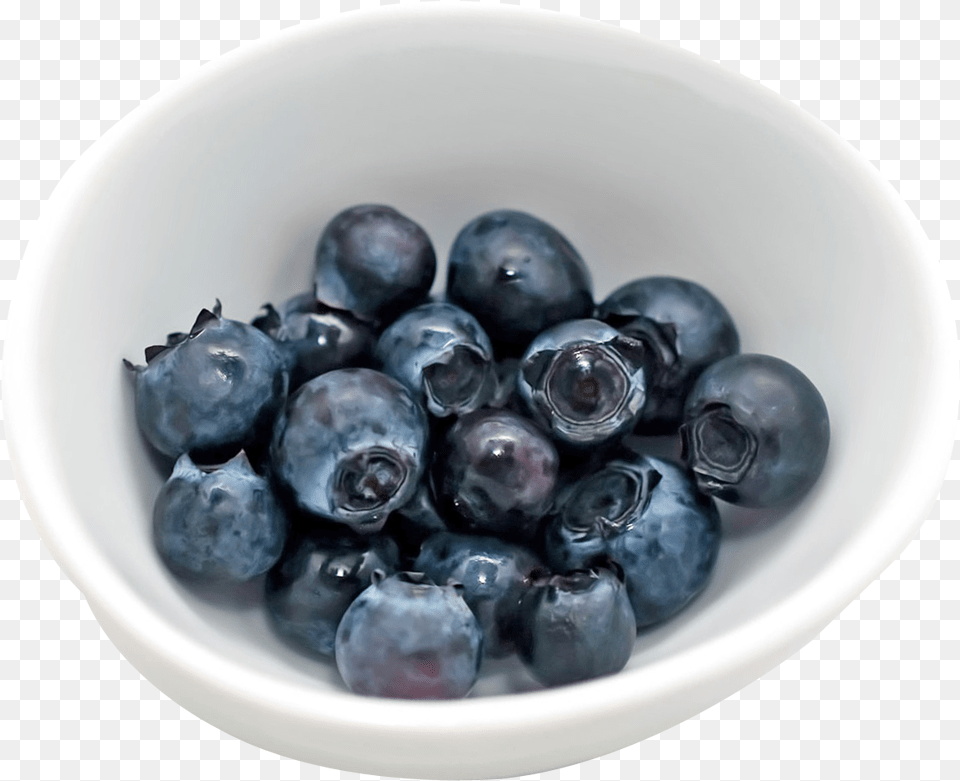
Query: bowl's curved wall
point(651, 161)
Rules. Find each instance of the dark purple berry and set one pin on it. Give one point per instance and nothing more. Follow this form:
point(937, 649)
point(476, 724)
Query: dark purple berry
point(756, 431)
point(576, 627)
point(374, 263)
point(496, 473)
point(518, 276)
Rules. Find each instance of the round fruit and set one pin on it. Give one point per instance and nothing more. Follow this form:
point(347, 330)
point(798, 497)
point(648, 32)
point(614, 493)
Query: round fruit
point(756, 431)
point(406, 637)
point(576, 626)
point(496, 473)
point(373, 262)
point(218, 524)
point(212, 391)
point(518, 276)
point(351, 447)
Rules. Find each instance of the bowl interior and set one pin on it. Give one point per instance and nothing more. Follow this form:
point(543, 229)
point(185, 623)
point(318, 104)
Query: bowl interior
point(650, 161)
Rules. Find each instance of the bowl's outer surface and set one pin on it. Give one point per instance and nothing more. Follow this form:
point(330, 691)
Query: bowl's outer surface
point(651, 161)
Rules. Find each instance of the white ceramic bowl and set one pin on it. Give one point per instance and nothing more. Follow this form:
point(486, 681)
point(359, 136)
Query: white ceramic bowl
point(652, 161)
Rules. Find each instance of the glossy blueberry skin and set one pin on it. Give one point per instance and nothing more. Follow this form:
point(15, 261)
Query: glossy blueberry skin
point(314, 339)
point(351, 447)
point(518, 276)
point(440, 352)
point(684, 328)
point(756, 431)
point(494, 574)
point(374, 262)
point(310, 588)
point(405, 637)
point(576, 627)
point(210, 392)
point(218, 525)
point(584, 382)
point(646, 515)
point(496, 473)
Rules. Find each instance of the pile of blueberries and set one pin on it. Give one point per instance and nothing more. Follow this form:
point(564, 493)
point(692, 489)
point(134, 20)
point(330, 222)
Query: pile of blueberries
point(426, 482)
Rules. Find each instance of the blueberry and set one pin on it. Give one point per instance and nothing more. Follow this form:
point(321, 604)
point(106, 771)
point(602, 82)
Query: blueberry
point(317, 579)
point(646, 515)
point(584, 382)
point(756, 431)
point(494, 574)
point(406, 637)
point(442, 355)
point(373, 262)
point(351, 447)
point(684, 328)
point(496, 473)
point(210, 392)
point(218, 524)
point(518, 276)
point(314, 339)
point(576, 627)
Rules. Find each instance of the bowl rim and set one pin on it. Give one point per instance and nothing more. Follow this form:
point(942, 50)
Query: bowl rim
point(767, 635)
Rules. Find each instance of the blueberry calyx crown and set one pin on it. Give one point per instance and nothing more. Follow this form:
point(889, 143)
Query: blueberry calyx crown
point(368, 480)
point(455, 383)
point(239, 462)
point(573, 582)
point(719, 449)
point(421, 584)
point(659, 340)
point(269, 322)
point(154, 351)
point(610, 501)
point(588, 387)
